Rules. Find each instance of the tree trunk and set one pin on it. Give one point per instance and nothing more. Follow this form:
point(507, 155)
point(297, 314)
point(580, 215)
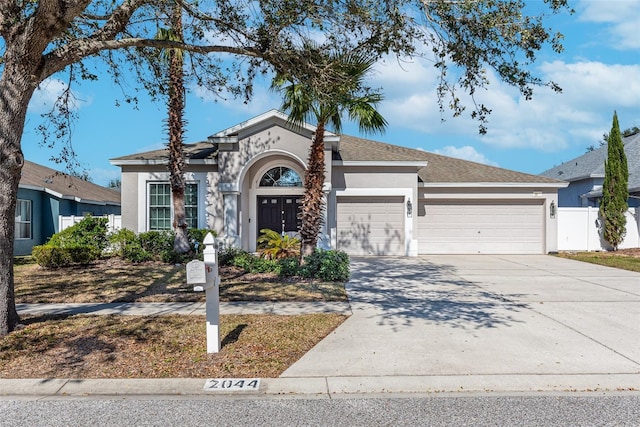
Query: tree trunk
point(312, 213)
point(176, 129)
point(15, 92)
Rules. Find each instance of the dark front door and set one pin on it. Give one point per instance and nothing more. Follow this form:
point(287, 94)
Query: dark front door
point(278, 213)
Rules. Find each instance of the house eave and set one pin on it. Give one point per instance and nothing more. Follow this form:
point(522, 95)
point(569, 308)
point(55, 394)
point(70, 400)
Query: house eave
point(495, 184)
point(162, 162)
point(379, 163)
point(138, 162)
point(581, 177)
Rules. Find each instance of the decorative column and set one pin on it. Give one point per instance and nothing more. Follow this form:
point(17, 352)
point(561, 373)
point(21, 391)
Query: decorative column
point(324, 239)
point(231, 230)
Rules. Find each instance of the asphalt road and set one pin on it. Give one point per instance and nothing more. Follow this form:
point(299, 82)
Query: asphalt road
point(616, 409)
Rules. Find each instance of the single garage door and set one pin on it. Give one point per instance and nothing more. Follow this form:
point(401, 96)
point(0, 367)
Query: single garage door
point(371, 225)
point(481, 226)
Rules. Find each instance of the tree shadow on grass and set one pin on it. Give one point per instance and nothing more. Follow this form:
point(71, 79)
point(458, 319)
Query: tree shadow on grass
point(403, 291)
point(68, 345)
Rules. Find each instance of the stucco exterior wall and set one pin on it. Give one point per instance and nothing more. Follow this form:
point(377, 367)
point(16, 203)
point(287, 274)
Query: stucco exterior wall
point(129, 198)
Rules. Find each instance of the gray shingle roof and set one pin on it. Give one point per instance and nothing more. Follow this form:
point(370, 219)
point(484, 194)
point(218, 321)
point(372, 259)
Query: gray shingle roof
point(439, 169)
point(196, 151)
point(591, 164)
point(42, 177)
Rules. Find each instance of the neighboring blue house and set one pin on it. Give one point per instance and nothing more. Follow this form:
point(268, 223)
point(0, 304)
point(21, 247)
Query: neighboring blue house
point(44, 194)
point(585, 175)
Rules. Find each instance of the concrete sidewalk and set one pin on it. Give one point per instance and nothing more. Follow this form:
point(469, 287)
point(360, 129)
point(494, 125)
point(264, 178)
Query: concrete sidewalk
point(443, 324)
point(186, 308)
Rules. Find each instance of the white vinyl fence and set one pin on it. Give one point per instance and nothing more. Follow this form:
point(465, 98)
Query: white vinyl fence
point(579, 229)
point(114, 221)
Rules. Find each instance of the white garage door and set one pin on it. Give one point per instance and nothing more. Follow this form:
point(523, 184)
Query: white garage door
point(371, 225)
point(481, 226)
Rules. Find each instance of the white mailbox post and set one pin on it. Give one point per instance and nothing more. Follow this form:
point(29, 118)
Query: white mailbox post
point(204, 276)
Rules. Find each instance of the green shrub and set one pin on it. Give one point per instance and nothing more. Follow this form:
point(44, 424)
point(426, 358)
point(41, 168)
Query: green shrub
point(227, 255)
point(273, 245)
point(332, 266)
point(157, 242)
point(198, 235)
point(90, 231)
point(289, 267)
point(173, 257)
point(135, 253)
point(49, 256)
point(120, 239)
point(247, 261)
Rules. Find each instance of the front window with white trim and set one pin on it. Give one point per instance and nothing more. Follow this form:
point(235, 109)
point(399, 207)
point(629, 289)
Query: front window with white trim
point(23, 219)
point(160, 212)
point(159, 206)
point(191, 205)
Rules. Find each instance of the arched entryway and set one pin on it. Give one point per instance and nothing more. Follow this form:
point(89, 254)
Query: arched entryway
point(279, 212)
point(272, 191)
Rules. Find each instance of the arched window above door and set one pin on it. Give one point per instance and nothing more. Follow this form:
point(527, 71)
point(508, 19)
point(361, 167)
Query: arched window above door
point(280, 177)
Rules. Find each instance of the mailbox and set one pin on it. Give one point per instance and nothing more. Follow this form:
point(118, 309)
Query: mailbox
point(196, 275)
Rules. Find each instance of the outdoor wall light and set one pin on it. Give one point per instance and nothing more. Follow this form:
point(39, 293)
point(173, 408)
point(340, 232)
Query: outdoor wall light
point(409, 208)
point(552, 210)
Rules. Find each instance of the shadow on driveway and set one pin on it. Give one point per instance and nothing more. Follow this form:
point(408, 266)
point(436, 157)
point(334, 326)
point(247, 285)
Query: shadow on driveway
point(403, 291)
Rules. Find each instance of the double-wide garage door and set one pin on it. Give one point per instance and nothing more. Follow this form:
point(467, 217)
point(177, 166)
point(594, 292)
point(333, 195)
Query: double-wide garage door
point(481, 226)
point(370, 225)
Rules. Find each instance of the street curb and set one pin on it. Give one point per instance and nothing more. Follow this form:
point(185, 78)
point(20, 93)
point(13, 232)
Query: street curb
point(329, 386)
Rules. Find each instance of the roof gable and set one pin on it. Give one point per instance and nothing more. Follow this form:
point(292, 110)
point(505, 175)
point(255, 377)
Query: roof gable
point(265, 120)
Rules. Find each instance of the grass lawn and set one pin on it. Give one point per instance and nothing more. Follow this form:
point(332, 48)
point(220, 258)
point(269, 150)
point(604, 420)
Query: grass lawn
point(112, 280)
point(84, 346)
point(626, 259)
point(159, 347)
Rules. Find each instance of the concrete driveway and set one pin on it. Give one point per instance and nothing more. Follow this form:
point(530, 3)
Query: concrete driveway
point(481, 322)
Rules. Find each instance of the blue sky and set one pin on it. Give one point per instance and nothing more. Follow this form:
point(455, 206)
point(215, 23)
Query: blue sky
point(599, 72)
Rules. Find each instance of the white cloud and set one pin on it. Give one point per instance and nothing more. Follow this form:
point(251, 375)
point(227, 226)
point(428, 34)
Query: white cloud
point(47, 93)
point(465, 153)
point(622, 17)
point(549, 122)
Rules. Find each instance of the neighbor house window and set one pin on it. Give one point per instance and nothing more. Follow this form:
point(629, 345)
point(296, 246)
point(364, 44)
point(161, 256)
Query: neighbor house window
point(160, 215)
point(23, 219)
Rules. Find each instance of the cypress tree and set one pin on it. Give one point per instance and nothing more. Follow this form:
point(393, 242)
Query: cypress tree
point(614, 189)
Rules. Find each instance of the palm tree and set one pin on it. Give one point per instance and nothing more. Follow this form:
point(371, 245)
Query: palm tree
point(324, 100)
point(176, 129)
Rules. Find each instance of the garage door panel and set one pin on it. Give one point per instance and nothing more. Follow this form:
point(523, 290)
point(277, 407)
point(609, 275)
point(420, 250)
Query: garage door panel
point(481, 226)
point(370, 225)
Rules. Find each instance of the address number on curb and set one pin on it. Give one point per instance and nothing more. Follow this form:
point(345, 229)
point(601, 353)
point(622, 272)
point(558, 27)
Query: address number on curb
point(232, 384)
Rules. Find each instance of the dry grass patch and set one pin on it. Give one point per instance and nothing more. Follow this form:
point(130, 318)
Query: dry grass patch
point(159, 347)
point(113, 280)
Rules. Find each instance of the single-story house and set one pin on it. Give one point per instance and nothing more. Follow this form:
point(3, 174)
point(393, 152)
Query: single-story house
point(381, 199)
point(44, 194)
point(585, 175)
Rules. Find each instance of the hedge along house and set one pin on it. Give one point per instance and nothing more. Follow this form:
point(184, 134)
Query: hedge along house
point(44, 194)
point(381, 199)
